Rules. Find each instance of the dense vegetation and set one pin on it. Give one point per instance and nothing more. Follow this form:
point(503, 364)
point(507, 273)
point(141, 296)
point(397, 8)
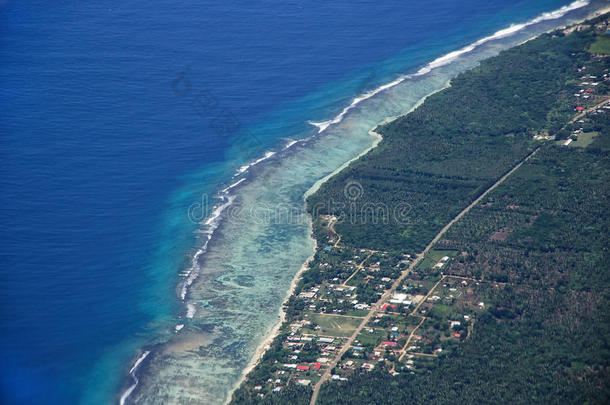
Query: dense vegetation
point(546, 338)
point(543, 233)
point(449, 150)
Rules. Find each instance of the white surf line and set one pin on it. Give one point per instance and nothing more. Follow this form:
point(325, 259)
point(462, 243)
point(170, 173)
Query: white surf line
point(325, 124)
point(378, 138)
point(227, 189)
point(245, 167)
point(193, 272)
point(289, 144)
point(212, 223)
point(322, 126)
point(448, 58)
point(132, 373)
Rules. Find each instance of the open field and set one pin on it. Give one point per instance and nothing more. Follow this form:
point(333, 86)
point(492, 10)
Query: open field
point(522, 258)
point(601, 46)
point(331, 325)
point(584, 140)
point(434, 256)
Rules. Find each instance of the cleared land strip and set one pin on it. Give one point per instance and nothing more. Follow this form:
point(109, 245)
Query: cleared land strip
point(331, 227)
point(342, 316)
point(359, 267)
point(419, 257)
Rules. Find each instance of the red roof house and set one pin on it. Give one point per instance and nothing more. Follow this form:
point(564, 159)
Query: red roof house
point(303, 368)
point(317, 366)
point(390, 344)
point(579, 109)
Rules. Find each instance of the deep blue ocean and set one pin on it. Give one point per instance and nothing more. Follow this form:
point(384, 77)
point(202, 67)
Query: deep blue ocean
point(116, 116)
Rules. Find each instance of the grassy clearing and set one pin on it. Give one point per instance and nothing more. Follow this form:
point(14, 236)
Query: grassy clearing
point(368, 338)
point(601, 46)
point(335, 325)
point(434, 256)
point(360, 313)
point(442, 311)
point(584, 140)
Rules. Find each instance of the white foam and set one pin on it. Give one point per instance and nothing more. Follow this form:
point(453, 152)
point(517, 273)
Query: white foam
point(227, 189)
point(245, 167)
point(132, 373)
point(179, 327)
point(451, 56)
point(190, 310)
point(217, 212)
point(211, 223)
point(325, 124)
point(289, 144)
point(551, 15)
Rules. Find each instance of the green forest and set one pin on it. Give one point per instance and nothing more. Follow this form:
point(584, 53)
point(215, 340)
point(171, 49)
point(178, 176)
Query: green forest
point(449, 150)
point(544, 337)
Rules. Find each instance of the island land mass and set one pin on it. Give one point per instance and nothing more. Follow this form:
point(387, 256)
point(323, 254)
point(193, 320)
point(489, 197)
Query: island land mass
point(470, 264)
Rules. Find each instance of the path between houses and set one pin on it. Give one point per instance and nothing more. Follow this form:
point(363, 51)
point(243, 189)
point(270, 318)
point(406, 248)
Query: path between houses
point(358, 268)
point(418, 258)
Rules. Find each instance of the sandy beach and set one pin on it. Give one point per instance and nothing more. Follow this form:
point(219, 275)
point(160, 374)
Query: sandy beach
point(266, 343)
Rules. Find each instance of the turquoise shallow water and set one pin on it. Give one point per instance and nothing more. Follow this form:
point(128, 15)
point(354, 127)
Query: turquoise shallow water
point(264, 236)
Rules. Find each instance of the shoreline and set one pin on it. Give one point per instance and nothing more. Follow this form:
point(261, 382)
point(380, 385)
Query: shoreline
point(275, 330)
point(265, 345)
